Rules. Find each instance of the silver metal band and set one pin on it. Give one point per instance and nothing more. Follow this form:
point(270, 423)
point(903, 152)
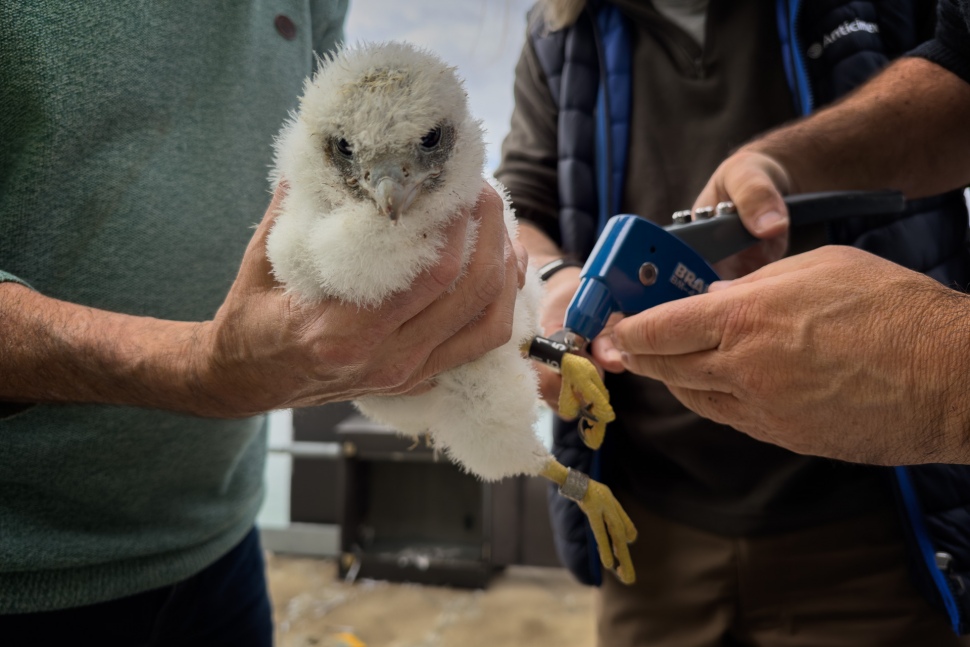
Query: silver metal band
point(575, 485)
point(546, 271)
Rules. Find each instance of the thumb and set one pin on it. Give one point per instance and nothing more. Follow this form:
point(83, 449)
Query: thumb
point(755, 183)
point(256, 269)
point(605, 353)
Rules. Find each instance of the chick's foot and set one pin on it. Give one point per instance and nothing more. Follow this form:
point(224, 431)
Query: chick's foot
point(610, 523)
point(584, 395)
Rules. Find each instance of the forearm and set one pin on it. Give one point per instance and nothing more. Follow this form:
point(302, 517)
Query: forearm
point(529, 166)
point(57, 352)
point(941, 363)
point(905, 130)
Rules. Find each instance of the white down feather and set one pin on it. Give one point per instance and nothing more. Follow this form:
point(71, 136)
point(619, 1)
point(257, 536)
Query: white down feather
point(328, 242)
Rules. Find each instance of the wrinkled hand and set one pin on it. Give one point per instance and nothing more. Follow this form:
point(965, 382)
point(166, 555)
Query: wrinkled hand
point(755, 183)
point(835, 352)
point(266, 350)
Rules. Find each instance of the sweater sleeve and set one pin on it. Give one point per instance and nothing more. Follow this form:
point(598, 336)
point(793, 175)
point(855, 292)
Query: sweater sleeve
point(7, 277)
point(950, 48)
point(530, 151)
point(8, 409)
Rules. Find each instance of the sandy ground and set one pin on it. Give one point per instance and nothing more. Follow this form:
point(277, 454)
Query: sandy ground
point(538, 607)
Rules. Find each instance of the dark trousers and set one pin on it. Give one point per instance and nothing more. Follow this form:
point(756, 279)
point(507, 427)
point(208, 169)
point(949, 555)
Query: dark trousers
point(843, 584)
point(225, 604)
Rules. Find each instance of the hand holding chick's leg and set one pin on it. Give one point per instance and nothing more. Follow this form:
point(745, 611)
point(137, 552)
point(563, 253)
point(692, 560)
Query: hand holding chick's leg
point(611, 526)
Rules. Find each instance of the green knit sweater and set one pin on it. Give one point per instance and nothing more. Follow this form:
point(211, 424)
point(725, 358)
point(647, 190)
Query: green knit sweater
point(134, 144)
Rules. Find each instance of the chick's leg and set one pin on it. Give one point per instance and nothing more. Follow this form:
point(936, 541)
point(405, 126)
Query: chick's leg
point(582, 393)
point(607, 518)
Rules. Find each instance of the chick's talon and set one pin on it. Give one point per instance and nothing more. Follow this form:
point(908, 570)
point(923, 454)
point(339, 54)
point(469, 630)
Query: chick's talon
point(591, 431)
point(586, 413)
point(583, 394)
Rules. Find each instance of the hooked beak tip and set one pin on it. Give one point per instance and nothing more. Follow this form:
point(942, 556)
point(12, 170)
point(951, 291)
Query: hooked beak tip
point(390, 210)
point(393, 197)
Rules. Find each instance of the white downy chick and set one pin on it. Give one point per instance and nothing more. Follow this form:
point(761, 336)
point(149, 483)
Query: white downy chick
point(381, 155)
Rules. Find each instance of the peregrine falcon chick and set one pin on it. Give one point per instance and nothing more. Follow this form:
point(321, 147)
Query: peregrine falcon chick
point(381, 155)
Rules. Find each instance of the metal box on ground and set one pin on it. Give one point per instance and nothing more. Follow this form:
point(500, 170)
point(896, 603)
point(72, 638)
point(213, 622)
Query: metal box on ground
point(407, 515)
point(315, 482)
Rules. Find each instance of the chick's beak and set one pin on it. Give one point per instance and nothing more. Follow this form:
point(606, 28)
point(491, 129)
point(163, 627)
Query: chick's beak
point(393, 189)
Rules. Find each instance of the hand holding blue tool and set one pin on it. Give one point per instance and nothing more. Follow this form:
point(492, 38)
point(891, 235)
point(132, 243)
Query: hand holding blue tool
point(636, 264)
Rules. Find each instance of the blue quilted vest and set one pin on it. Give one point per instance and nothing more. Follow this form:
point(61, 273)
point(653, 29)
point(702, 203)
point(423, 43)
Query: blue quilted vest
point(588, 71)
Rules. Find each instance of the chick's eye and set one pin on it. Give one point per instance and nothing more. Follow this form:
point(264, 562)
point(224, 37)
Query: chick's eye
point(431, 139)
point(343, 147)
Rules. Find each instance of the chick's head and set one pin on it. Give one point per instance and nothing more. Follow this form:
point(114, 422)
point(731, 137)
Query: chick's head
point(388, 125)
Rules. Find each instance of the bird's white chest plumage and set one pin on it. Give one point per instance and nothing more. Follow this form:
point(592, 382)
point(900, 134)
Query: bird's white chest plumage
point(350, 252)
point(330, 239)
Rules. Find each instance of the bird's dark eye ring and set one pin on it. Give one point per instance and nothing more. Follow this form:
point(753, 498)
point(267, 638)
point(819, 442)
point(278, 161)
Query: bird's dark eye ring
point(343, 147)
point(431, 139)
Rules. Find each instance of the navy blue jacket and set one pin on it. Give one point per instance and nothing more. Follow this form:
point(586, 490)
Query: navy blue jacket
point(829, 48)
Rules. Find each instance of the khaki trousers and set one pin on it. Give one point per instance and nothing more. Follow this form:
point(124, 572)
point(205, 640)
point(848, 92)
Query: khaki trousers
point(842, 584)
